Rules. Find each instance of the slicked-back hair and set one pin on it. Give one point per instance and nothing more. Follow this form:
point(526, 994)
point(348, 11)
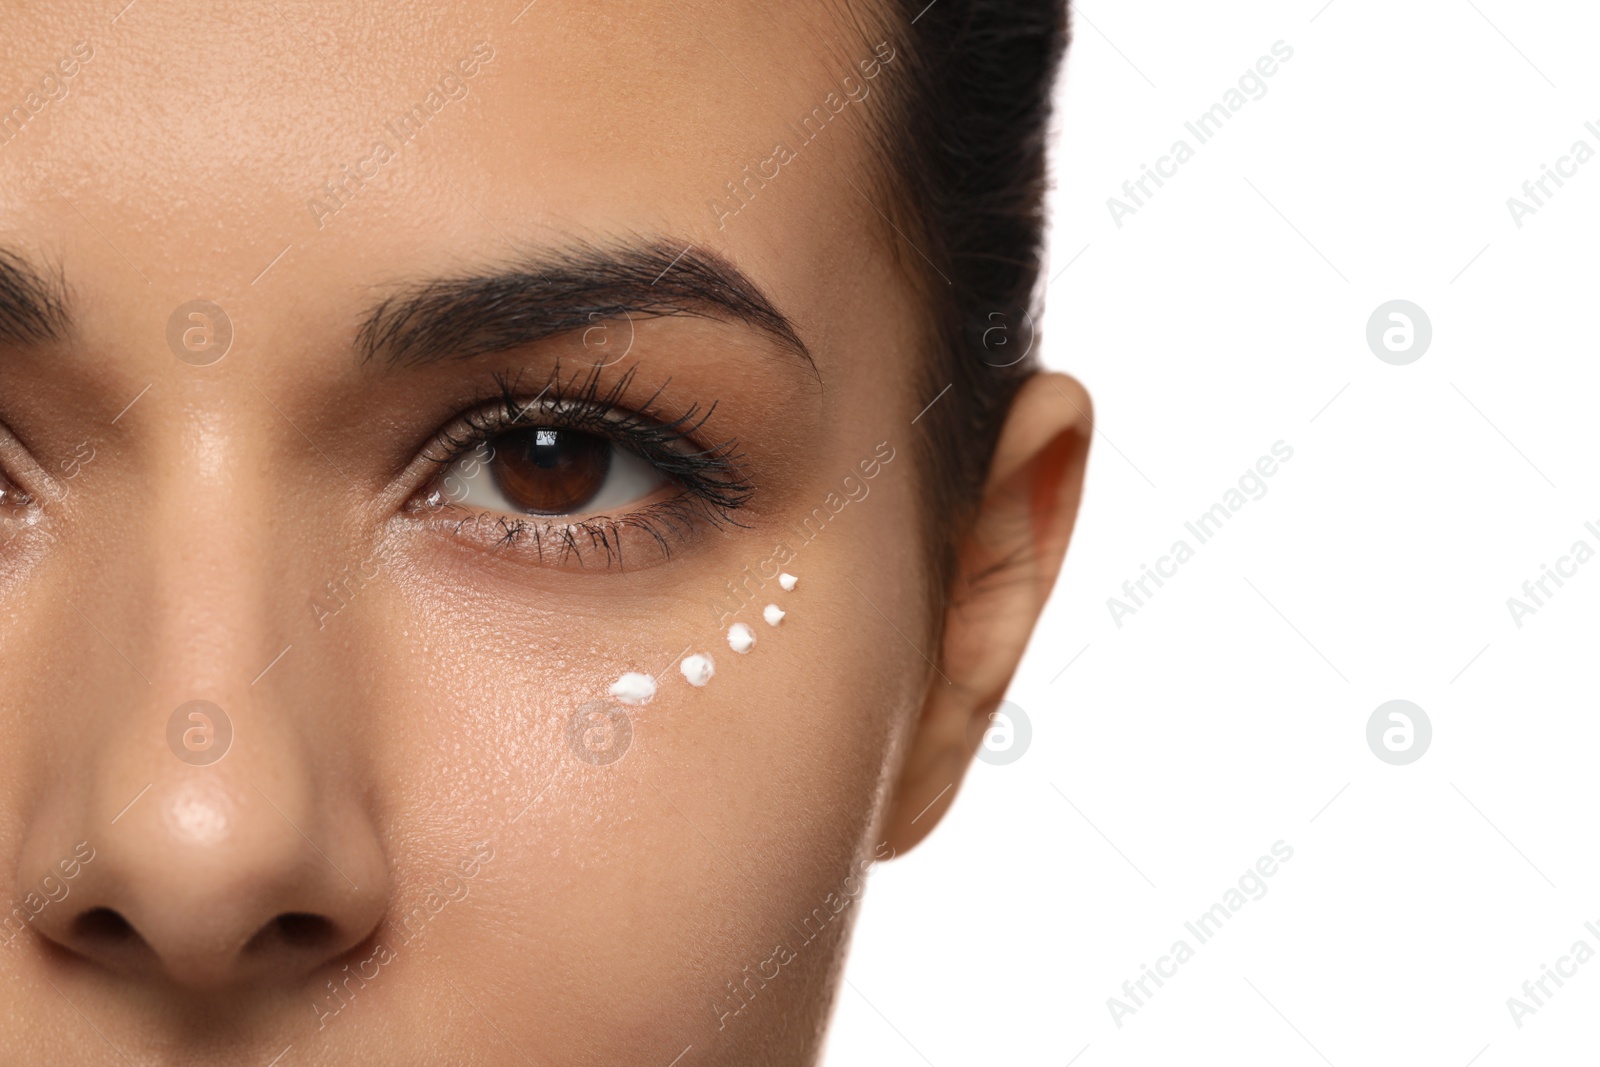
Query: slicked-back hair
point(968, 150)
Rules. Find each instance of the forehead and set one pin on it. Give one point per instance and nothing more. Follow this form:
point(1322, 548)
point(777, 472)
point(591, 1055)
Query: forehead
point(309, 150)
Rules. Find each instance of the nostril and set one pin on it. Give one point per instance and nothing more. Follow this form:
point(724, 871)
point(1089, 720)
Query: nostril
point(295, 930)
point(105, 931)
point(102, 927)
point(289, 943)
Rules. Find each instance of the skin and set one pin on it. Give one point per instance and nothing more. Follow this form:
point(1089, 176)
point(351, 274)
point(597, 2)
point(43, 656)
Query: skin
point(408, 751)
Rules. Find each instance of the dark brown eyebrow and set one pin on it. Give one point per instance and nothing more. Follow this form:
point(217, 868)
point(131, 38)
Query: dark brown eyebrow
point(480, 313)
point(33, 302)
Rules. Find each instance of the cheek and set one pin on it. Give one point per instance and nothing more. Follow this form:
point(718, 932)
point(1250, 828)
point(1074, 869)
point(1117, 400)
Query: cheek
point(647, 856)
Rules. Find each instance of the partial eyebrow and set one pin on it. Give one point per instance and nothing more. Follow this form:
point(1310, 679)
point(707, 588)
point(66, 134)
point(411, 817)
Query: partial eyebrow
point(480, 313)
point(33, 302)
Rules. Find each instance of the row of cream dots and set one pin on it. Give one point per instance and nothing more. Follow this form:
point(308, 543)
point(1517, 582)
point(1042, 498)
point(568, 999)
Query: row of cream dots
point(637, 688)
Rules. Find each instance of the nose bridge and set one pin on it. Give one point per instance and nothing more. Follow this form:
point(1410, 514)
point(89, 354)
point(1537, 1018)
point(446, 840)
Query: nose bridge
point(209, 586)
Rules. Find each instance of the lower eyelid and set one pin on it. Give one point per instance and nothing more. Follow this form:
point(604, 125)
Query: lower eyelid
point(648, 535)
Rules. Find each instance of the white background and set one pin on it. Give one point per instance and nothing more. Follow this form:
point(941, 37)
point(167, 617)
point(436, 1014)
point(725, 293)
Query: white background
point(1230, 711)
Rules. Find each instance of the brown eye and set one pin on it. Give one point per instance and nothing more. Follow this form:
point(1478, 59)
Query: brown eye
point(548, 471)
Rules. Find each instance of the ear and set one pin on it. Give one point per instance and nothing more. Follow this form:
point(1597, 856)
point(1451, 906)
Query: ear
point(1006, 568)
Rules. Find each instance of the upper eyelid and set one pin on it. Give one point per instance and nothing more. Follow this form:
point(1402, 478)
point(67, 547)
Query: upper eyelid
point(499, 420)
point(581, 402)
point(672, 437)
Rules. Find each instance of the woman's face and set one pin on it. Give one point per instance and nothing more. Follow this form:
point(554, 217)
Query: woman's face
point(393, 385)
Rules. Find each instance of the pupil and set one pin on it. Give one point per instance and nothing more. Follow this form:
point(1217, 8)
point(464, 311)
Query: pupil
point(546, 471)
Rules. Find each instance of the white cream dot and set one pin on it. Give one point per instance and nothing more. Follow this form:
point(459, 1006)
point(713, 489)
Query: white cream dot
point(787, 580)
point(634, 688)
point(741, 638)
point(773, 614)
point(698, 668)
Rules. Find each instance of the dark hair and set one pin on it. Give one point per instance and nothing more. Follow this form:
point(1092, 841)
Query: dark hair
point(967, 150)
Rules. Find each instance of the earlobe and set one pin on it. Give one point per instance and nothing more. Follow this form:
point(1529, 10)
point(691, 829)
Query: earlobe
point(1008, 563)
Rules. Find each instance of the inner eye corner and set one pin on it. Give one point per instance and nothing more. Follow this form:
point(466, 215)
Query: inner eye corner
point(14, 500)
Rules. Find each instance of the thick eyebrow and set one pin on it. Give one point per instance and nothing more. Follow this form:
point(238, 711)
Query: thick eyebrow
point(33, 302)
point(480, 313)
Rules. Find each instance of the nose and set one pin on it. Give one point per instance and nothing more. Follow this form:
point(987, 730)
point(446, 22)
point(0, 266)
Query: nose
point(193, 820)
point(211, 877)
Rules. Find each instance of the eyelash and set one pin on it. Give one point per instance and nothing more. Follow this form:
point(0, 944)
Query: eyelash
point(714, 486)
